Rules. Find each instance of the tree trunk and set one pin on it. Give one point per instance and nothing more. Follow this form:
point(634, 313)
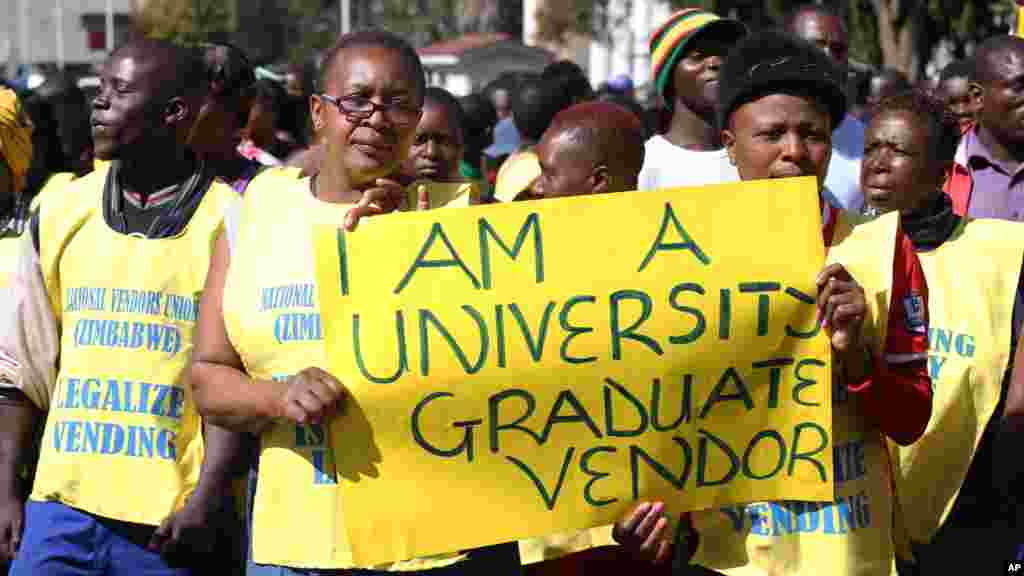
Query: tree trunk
point(896, 35)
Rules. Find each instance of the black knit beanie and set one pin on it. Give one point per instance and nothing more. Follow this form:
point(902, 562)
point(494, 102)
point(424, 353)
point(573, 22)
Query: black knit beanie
point(772, 62)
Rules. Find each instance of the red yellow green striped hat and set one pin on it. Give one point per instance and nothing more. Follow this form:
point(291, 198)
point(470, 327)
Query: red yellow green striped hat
point(668, 43)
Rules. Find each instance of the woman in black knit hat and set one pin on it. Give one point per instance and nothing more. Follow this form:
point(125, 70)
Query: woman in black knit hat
point(780, 98)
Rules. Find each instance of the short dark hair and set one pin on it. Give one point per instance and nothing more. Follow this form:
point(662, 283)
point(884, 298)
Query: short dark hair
point(189, 72)
point(789, 20)
point(478, 122)
point(958, 69)
point(535, 105)
point(570, 77)
point(229, 71)
point(610, 133)
point(382, 39)
point(943, 128)
point(445, 99)
point(991, 47)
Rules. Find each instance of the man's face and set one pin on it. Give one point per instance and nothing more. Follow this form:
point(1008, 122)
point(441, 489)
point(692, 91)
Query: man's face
point(695, 78)
point(438, 146)
point(1002, 87)
point(565, 169)
point(956, 93)
point(825, 32)
point(780, 136)
point(128, 107)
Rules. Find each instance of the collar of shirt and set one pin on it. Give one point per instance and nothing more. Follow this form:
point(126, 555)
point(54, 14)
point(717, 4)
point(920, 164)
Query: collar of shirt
point(977, 156)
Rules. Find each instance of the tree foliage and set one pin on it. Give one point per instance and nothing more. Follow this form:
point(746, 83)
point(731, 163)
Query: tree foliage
point(184, 20)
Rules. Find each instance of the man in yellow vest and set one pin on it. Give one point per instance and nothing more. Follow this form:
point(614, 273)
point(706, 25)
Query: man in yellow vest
point(943, 481)
point(104, 306)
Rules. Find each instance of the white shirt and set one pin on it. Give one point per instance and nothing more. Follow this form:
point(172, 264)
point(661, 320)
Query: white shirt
point(669, 166)
point(842, 184)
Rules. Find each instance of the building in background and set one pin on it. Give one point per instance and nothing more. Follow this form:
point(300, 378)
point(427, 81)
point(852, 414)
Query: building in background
point(47, 34)
point(468, 63)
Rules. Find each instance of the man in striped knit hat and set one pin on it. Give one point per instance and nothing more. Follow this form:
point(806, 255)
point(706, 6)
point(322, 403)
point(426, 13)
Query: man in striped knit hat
point(687, 52)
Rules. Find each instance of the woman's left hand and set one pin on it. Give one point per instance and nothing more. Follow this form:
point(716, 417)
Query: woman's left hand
point(841, 306)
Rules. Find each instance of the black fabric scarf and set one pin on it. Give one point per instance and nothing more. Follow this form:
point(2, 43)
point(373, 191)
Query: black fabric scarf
point(932, 224)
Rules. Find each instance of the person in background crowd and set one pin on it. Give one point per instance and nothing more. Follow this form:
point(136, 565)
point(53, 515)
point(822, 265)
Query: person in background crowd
point(589, 148)
point(986, 180)
point(780, 98)
point(944, 481)
point(957, 93)
point(500, 92)
point(822, 26)
point(570, 78)
point(686, 59)
point(294, 121)
point(478, 129)
point(259, 135)
point(16, 155)
point(534, 107)
point(118, 489)
point(439, 144)
point(61, 140)
point(883, 84)
point(373, 88)
point(218, 128)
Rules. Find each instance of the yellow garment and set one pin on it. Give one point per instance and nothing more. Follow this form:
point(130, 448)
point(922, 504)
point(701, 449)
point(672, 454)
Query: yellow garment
point(516, 175)
point(122, 437)
point(852, 536)
point(54, 186)
point(15, 137)
point(970, 306)
point(271, 313)
point(443, 194)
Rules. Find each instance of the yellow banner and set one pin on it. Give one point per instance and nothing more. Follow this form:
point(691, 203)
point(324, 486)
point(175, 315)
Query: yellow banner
point(532, 368)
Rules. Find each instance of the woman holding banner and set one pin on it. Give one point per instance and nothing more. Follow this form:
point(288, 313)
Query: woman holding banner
point(780, 99)
point(246, 376)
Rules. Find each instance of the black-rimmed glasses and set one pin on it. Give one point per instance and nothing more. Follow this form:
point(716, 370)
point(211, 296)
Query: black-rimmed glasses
point(360, 108)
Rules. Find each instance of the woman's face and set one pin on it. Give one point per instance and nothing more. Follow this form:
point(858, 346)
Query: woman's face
point(779, 136)
point(898, 171)
point(373, 147)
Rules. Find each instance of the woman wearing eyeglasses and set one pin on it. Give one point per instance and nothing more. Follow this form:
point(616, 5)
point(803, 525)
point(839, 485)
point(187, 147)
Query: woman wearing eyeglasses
point(250, 378)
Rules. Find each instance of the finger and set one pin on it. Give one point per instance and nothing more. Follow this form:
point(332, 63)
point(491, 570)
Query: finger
point(423, 200)
point(159, 535)
point(826, 273)
point(844, 298)
point(847, 313)
point(295, 412)
point(650, 520)
point(352, 216)
point(639, 513)
point(650, 545)
point(310, 404)
point(663, 553)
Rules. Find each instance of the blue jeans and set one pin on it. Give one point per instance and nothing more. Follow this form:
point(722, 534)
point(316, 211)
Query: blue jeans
point(62, 541)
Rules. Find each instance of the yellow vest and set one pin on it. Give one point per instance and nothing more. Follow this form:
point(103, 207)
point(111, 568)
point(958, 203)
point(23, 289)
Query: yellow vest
point(54, 186)
point(970, 304)
point(122, 438)
point(272, 317)
point(852, 535)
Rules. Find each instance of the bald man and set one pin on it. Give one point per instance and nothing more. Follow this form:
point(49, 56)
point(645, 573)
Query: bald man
point(101, 330)
point(590, 148)
point(824, 27)
point(986, 180)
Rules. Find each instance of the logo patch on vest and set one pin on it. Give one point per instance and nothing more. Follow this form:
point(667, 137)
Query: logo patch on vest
point(913, 308)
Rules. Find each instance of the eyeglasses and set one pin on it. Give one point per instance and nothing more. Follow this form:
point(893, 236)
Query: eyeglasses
point(360, 108)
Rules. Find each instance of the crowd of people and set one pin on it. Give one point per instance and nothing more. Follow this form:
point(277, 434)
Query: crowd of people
point(152, 424)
